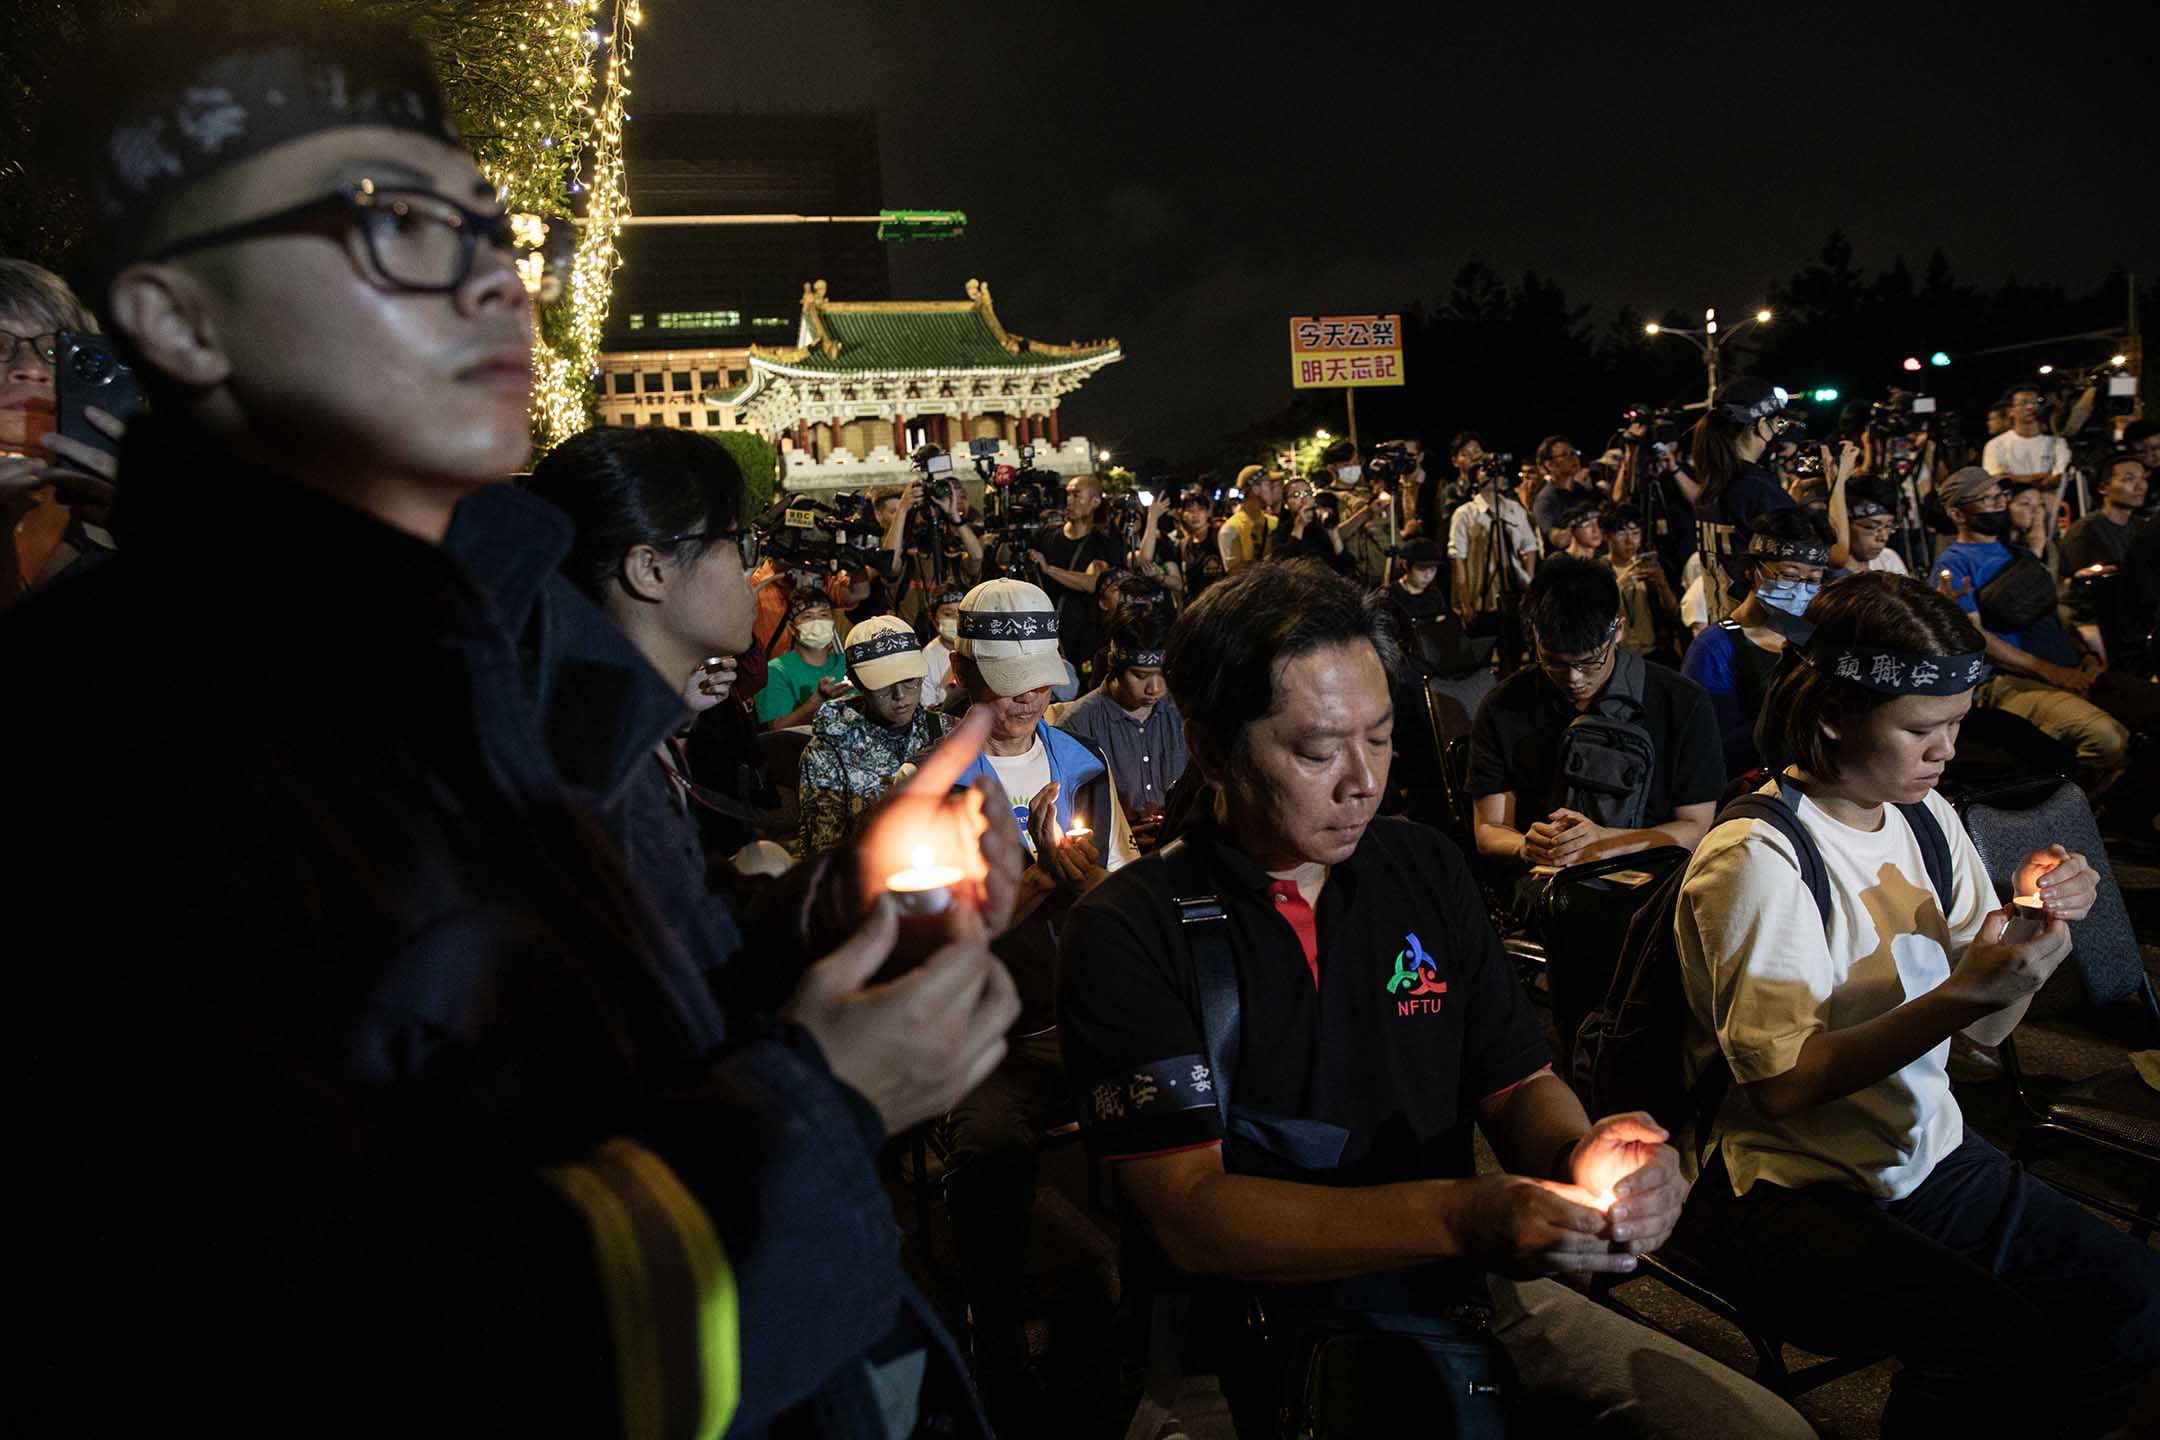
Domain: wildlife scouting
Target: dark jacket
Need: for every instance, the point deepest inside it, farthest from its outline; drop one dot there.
(382, 1101)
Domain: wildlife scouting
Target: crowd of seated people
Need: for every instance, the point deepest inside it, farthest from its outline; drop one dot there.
(443, 1067)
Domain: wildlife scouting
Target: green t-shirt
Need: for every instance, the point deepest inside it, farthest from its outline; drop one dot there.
(790, 680)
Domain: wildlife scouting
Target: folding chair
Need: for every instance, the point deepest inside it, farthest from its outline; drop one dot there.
(1581, 918)
(2113, 1111)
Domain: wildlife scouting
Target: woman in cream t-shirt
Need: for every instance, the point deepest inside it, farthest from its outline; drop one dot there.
(1843, 1202)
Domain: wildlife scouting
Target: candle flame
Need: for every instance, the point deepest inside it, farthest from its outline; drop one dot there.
(923, 857)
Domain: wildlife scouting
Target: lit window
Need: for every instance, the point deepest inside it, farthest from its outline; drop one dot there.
(637, 322)
(770, 322)
(709, 379)
(699, 319)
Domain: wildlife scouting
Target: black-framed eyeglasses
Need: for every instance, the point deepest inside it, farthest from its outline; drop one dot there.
(46, 346)
(1589, 664)
(417, 240)
(746, 543)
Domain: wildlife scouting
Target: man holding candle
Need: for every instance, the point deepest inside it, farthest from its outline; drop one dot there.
(1131, 718)
(857, 747)
(1058, 786)
(1378, 1021)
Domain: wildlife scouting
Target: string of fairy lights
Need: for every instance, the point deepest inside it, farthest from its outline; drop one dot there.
(543, 113)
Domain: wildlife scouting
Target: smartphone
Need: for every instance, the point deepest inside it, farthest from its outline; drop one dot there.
(87, 373)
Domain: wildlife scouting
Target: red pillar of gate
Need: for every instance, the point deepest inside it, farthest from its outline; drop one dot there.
(1053, 427)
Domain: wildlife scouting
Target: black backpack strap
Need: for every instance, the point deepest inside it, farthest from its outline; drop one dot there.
(1935, 849)
(1777, 811)
(1206, 923)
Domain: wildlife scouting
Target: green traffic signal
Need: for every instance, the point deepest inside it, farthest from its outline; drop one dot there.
(921, 224)
(1825, 395)
(1939, 358)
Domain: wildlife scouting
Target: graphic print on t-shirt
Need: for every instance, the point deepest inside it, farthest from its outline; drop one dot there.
(1414, 967)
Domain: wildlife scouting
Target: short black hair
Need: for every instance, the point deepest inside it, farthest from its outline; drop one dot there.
(1872, 489)
(2138, 430)
(2120, 457)
(1793, 522)
(1136, 627)
(1463, 438)
(1871, 608)
(1550, 443)
(1572, 603)
(1619, 517)
(1225, 651)
(1582, 514)
(1342, 452)
(623, 488)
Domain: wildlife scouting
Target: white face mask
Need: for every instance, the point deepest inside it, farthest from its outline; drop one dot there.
(949, 628)
(815, 634)
(1348, 474)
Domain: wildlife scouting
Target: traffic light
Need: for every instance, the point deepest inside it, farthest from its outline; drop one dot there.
(1912, 362)
(1826, 395)
(921, 224)
(1940, 357)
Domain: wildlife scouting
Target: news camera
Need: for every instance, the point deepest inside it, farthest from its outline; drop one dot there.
(835, 533)
(1659, 422)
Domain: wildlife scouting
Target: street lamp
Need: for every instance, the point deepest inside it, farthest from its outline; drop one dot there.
(1708, 339)
(1322, 436)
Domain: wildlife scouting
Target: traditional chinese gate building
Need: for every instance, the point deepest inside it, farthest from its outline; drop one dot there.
(866, 383)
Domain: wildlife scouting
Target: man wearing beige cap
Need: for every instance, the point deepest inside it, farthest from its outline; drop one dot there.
(1007, 656)
(1244, 536)
(859, 744)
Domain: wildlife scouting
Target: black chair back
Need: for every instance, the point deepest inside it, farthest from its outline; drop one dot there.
(2009, 823)
(1582, 918)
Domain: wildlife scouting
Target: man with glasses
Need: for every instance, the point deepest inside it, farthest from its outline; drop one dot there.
(1574, 619)
(1567, 485)
(386, 1104)
(2040, 674)
(1870, 519)
(2025, 454)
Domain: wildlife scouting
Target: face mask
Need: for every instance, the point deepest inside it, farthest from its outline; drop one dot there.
(1791, 596)
(949, 629)
(815, 634)
(1348, 474)
(1989, 522)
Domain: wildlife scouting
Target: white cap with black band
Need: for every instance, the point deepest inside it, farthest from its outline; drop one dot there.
(883, 651)
(1009, 629)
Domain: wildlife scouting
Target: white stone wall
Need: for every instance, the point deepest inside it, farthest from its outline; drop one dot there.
(843, 471)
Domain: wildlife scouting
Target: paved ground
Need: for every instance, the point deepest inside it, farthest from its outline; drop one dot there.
(1080, 1325)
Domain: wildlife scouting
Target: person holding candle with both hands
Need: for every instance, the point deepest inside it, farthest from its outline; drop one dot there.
(1843, 1198)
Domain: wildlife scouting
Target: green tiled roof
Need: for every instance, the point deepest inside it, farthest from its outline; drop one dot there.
(947, 338)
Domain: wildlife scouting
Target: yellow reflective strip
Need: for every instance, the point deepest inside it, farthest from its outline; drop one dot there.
(629, 1296)
(719, 1310)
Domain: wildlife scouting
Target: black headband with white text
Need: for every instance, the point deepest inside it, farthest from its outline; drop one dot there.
(1008, 625)
(1135, 659)
(1770, 547)
(882, 644)
(1894, 672)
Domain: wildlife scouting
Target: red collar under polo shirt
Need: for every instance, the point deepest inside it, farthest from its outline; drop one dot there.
(1403, 1017)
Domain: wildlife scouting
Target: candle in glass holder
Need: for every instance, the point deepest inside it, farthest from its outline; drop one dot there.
(925, 887)
(2028, 920)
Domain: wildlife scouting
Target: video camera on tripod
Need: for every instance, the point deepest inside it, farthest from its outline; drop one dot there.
(1016, 501)
(819, 536)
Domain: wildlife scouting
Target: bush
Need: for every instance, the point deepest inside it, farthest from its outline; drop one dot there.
(760, 464)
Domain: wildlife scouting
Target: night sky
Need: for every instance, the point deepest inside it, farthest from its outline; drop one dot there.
(1187, 177)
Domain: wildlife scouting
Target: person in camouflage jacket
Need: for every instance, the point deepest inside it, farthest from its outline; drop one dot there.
(858, 744)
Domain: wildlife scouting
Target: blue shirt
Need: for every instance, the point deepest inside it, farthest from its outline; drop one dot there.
(1735, 671)
(1146, 756)
(1976, 562)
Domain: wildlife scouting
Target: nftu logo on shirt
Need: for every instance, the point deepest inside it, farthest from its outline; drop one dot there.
(1416, 977)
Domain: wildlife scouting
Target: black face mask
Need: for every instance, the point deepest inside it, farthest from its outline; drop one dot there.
(1989, 522)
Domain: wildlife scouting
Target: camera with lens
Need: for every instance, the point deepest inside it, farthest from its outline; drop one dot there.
(1391, 464)
(819, 535)
(1498, 465)
(1659, 423)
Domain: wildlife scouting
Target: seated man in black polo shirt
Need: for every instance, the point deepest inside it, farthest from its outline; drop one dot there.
(1378, 1023)
(1524, 814)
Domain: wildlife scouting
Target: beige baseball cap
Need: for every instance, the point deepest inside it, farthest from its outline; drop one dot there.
(883, 651)
(1009, 629)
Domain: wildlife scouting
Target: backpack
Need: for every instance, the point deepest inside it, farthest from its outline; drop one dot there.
(1606, 755)
(1630, 1051)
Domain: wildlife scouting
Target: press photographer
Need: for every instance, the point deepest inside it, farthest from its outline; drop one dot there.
(926, 542)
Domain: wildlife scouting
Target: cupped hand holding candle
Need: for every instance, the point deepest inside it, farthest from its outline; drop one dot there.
(2062, 880)
(959, 828)
(1626, 1169)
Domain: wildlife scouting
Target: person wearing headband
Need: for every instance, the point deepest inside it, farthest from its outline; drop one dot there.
(943, 617)
(1131, 718)
(404, 1090)
(1842, 1197)
(1734, 659)
(1731, 441)
(2042, 672)
(1870, 517)
(858, 746)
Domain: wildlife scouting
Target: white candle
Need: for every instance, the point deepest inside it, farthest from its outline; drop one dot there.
(1079, 828)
